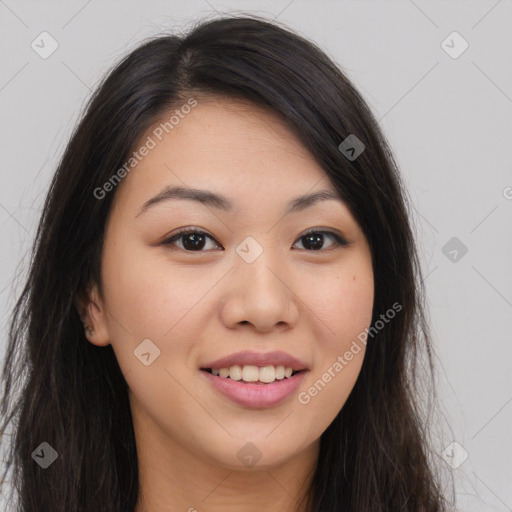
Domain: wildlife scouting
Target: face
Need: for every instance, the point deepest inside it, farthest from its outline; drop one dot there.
(247, 277)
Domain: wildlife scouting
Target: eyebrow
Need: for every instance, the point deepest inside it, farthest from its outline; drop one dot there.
(220, 202)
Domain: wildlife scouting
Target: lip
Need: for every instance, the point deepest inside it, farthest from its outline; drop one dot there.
(248, 357)
(256, 395)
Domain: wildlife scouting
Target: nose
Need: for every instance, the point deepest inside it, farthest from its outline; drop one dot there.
(260, 293)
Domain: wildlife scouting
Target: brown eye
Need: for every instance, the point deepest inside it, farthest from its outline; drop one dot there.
(314, 240)
(193, 240)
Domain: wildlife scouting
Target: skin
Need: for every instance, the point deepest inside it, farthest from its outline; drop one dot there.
(199, 306)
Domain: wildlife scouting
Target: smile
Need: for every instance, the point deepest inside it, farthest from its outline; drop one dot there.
(249, 390)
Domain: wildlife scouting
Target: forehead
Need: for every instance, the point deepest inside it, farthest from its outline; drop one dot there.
(228, 126)
(223, 144)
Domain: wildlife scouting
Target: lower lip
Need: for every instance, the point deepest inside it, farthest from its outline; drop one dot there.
(256, 395)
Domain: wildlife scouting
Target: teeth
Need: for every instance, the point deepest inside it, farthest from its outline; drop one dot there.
(235, 372)
(251, 373)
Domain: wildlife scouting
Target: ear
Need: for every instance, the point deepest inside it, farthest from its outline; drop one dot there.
(94, 316)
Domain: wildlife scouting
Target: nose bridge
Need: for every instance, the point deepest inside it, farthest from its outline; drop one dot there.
(258, 264)
(261, 293)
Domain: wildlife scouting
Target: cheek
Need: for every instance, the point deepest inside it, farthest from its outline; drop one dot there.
(148, 294)
(341, 302)
(342, 305)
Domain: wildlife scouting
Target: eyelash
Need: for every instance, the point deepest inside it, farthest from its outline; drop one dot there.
(339, 240)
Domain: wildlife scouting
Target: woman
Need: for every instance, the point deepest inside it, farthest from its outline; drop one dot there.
(224, 308)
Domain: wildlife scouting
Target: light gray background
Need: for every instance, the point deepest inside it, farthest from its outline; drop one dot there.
(448, 121)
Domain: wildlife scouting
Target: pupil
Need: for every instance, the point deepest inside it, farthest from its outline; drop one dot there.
(315, 241)
(190, 238)
(318, 236)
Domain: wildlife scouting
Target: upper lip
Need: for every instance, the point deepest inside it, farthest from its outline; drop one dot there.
(248, 357)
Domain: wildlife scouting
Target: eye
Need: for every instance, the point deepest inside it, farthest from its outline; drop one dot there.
(314, 238)
(194, 240)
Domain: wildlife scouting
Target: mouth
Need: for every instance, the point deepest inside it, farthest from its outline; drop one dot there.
(255, 387)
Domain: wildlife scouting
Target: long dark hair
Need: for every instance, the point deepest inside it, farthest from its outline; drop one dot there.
(375, 456)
